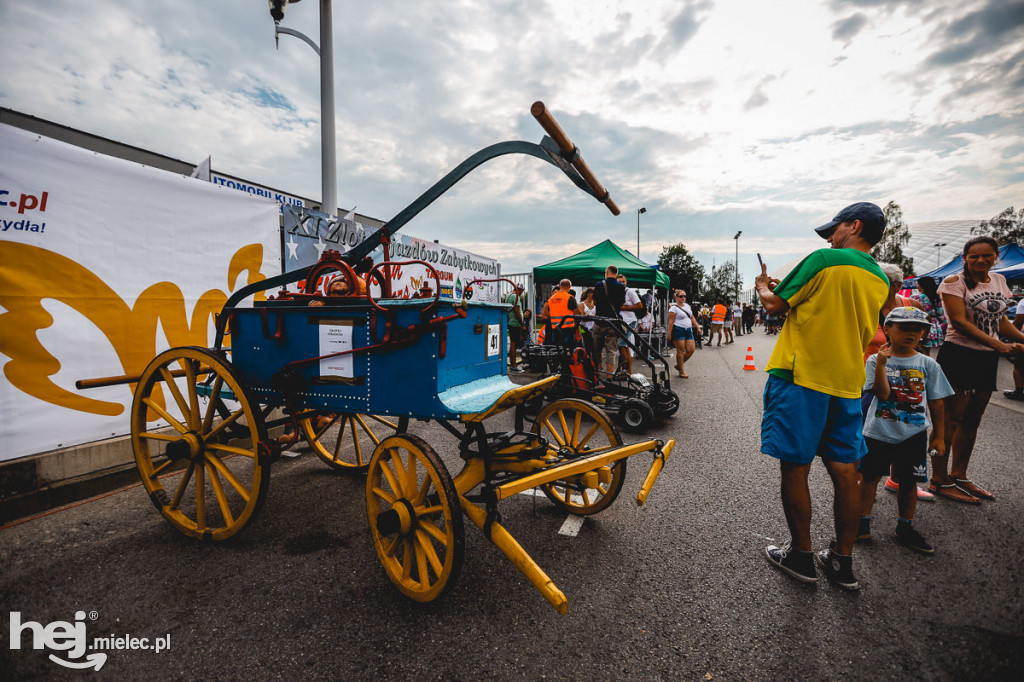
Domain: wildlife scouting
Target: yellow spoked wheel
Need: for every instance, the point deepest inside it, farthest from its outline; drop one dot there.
(574, 427)
(345, 441)
(415, 518)
(195, 437)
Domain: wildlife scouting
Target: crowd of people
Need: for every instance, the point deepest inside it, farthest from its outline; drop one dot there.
(852, 380)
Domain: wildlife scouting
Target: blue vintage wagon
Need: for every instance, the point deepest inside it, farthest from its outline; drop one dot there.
(348, 373)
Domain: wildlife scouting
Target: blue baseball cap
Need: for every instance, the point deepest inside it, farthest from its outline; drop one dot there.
(869, 214)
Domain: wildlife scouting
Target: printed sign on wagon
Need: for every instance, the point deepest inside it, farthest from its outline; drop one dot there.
(336, 338)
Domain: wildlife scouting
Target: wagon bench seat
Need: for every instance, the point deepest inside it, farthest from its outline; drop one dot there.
(477, 400)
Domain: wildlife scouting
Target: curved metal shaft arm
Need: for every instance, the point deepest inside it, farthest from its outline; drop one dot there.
(249, 290)
(546, 151)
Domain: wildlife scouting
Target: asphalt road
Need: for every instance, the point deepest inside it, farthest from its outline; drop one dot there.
(677, 589)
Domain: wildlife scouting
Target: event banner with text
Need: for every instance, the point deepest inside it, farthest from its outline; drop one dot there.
(307, 233)
(103, 264)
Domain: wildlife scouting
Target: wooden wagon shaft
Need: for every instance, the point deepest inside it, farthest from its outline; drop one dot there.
(99, 382)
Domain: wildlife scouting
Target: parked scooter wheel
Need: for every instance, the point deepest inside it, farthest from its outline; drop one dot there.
(636, 415)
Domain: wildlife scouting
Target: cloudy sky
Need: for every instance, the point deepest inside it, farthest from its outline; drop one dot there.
(715, 115)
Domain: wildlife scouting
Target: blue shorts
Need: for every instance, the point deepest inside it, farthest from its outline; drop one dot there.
(682, 333)
(799, 423)
(622, 342)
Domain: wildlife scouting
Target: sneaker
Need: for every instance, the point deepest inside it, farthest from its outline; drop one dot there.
(908, 536)
(864, 530)
(798, 564)
(1014, 395)
(838, 568)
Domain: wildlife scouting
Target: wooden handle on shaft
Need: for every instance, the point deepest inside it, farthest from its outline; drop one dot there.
(568, 149)
(100, 382)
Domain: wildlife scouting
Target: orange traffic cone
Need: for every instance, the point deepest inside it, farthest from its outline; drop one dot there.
(749, 362)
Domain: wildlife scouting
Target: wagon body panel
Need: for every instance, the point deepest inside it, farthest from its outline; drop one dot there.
(409, 380)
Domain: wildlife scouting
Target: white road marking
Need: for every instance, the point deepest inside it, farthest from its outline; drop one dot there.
(572, 526)
(533, 492)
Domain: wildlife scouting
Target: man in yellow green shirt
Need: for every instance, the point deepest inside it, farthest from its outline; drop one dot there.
(812, 397)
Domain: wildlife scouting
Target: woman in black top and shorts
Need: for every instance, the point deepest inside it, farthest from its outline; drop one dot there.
(975, 302)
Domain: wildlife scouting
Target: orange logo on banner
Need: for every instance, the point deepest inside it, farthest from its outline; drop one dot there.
(30, 274)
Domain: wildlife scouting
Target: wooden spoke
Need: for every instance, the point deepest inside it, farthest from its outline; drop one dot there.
(159, 469)
(182, 486)
(392, 546)
(427, 549)
(431, 528)
(576, 427)
(430, 511)
(407, 557)
(193, 395)
(218, 492)
(159, 436)
(172, 386)
(215, 398)
(421, 494)
(385, 469)
(231, 449)
(554, 433)
(421, 561)
(333, 420)
(224, 471)
(165, 415)
(231, 419)
(590, 434)
(399, 469)
(384, 495)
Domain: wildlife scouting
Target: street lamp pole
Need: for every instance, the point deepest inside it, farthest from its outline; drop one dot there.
(938, 253)
(737, 264)
(328, 147)
(642, 209)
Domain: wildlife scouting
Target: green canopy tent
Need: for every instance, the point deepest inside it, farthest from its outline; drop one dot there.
(587, 267)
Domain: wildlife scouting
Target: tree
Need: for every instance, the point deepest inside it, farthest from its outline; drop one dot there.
(895, 237)
(682, 268)
(723, 282)
(1005, 228)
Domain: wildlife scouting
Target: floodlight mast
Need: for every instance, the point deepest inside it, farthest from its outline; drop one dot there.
(328, 146)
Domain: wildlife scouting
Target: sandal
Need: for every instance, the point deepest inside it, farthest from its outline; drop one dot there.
(952, 492)
(971, 488)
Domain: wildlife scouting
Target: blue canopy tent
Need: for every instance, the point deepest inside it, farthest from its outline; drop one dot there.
(1010, 265)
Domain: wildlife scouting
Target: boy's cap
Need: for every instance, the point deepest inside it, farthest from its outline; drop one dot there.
(864, 211)
(908, 314)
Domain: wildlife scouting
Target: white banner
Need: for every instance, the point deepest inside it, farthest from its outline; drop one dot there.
(103, 264)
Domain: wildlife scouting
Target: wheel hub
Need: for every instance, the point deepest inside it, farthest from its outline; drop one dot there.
(399, 519)
(190, 446)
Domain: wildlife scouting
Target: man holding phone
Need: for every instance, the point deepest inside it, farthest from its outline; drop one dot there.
(812, 397)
